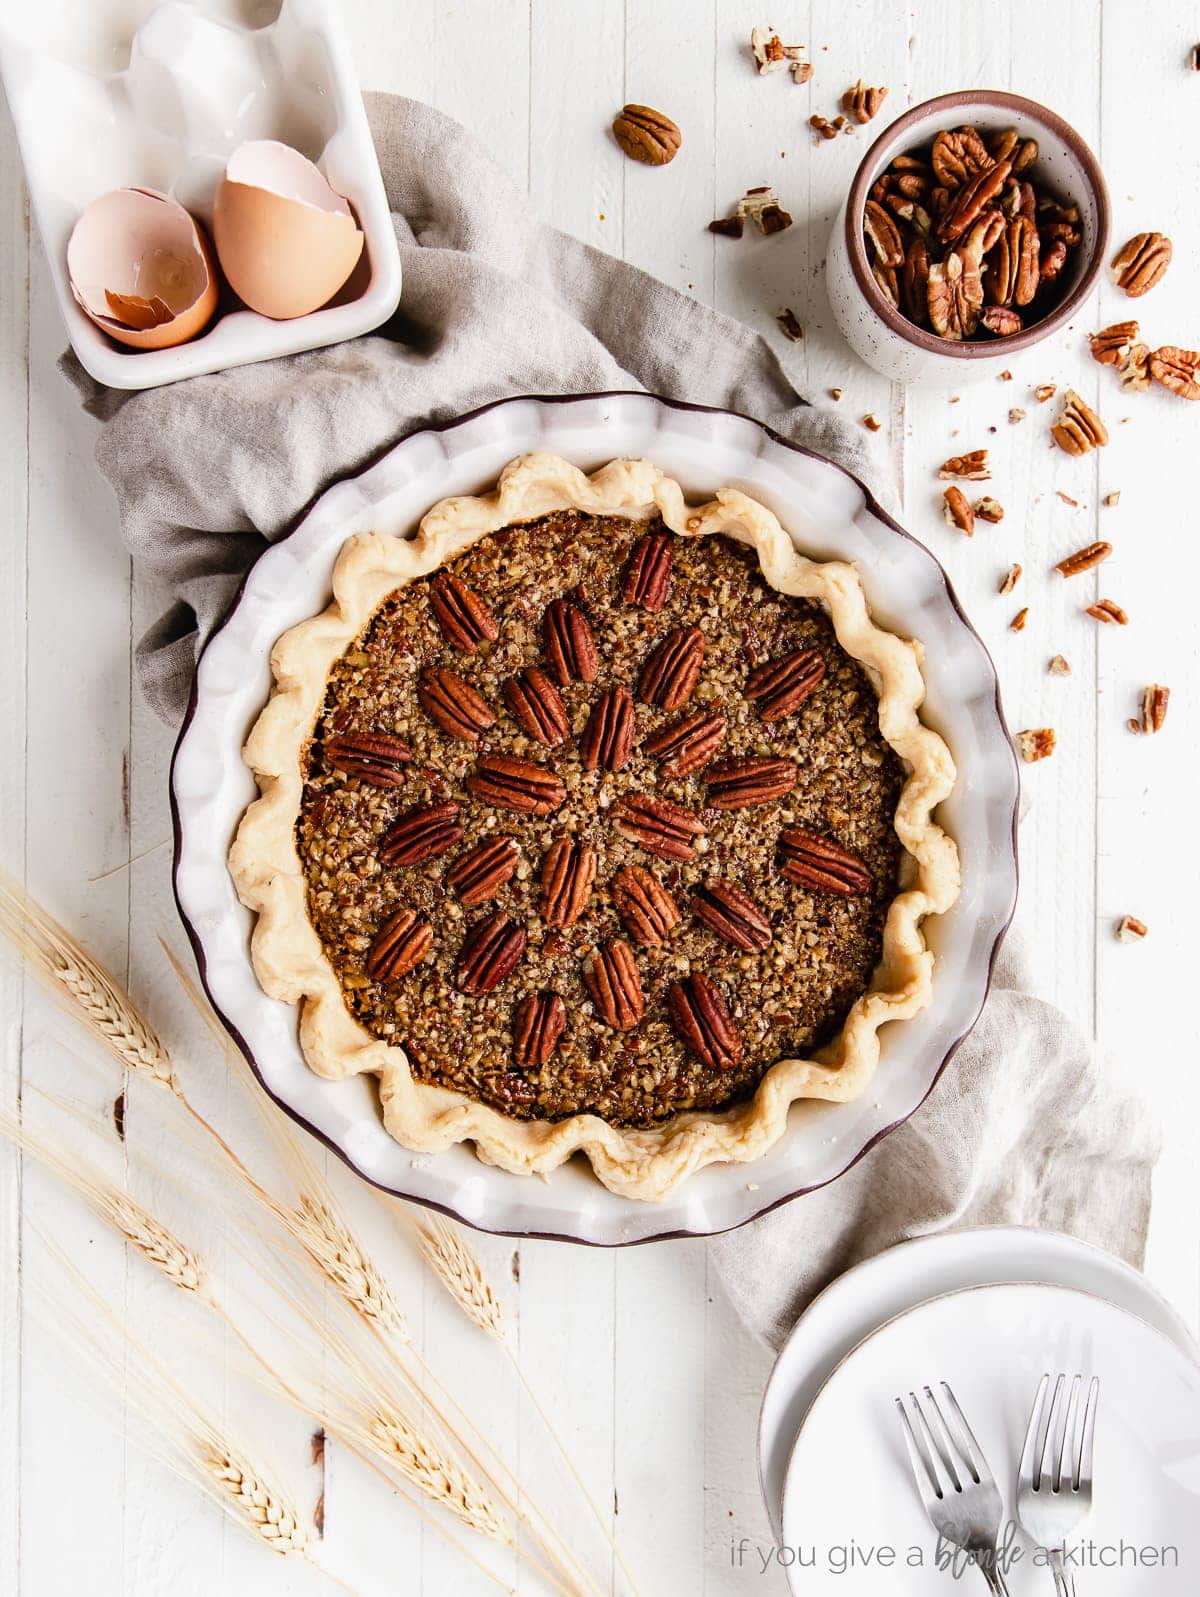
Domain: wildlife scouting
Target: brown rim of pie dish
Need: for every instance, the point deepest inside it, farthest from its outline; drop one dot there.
(474, 1223)
(967, 99)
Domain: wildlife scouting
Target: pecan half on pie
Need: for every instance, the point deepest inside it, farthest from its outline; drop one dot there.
(579, 829)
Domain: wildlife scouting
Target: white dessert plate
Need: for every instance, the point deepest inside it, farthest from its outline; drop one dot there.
(850, 1500)
(913, 1272)
(830, 514)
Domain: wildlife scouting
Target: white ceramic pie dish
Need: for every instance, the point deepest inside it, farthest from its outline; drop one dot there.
(832, 516)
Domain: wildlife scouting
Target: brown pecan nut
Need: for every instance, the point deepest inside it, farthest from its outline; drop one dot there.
(1024, 249)
(733, 915)
(703, 1023)
(739, 784)
(648, 574)
(1134, 370)
(972, 200)
(647, 910)
(480, 873)
(568, 872)
(821, 865)
(989, 509)
(658, 826)
(688, 744)
(401, 943)
(612, 979)
(883, 235)
(889, 282)
(772, 55)
(607, 739)
(646, 135)
(1053, 259)
(372, 757)
(672, 669)
(452, 704)
(1153, 714)
(1138, 265)
(1079, 429)
(421, 834)
(536, 706)
(1084, 559)
(1036, 743)
(954, 294)
(958, 156)
(1177, 369)
(539, 1021)
(1129, 928)
(491, 950)
(972, 467)
(511, 783)
(1111, 345)
(957, 511)
(862, 102)
(570, 648)
(914, 282)
(1109, 612)
(1001, 320)
(781, 686)
(465, 620)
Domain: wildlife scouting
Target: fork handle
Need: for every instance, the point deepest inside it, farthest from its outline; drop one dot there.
(1064, 1582)
(995, 1579)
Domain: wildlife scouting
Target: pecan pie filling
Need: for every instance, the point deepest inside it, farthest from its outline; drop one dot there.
(595, 820)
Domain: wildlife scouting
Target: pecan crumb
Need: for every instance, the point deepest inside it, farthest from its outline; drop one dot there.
(822, 128)
(772, 55)
(1059, 666)
(835, 393)
(989, 509)
(1045, 392)
(1015, 415)
(1113, 499)
(872, 421)
(1006, 376)
(1107, 611)
(1066, 499)
(1017, 624)
(957, 511)
(789, 324)
(1036, 743)
(1130, 929)
(1010, 579)
(1155, 699)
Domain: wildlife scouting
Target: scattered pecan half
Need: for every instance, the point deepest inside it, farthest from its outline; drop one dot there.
(616, 988)
(401, 943)
(1084, 559)
(672, 669)
(452, 704)
(607, 739)
(957, 510)
(732, 914)
(647, 579)
(1036, 743)
(464, 619)
(421, 834)
(491, 951)
(646, 135)
(742, 783)
(1079, 429)
(862, 102)
(703, 1023)
(478, 875)
(972, 467)
(1130, 929)
(1111, 345)
(1140, 263)
(647, 910)
(821, 865)
(1010, 579)
(567, 639)
(1177, 369)
(539, 1021)
(1107, 611)
(772, 55)
(568, 873)
(1153, 712)
(373, 757)
(536, 706)
(658, 826)
(688, 744)
(511, 783)
(781, 686)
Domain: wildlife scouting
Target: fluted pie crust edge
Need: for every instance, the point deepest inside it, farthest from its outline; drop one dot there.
(291, 965)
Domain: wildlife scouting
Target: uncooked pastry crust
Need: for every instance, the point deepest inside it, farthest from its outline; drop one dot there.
(291, 965)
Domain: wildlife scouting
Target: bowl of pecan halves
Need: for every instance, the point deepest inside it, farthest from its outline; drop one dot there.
(975, 227)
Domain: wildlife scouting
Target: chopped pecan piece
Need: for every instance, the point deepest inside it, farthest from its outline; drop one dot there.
(613, 981)
(646, 135)
(421, 834)
(1177, 369)
(453, 705)
(772, 55)
(539, 1021)
(1134, 370)
(958, 156)
(1153, 711)
(971, 201)
(883, 235)
(607, 739)
(647, 910)
(401, 943)
(727, 226)
(957, 511)
(954, 292)
(511, 783)
(1111, 345)
(741, 783)
(491, 951)
(373, 757)
(1044, 392)
(872, 422)
(672, 669)
(789, 324)
(989, 509)
(536, 706)
(862, 102)
(733, 915)
(1107, 611)
(1084, 559)
(1052, 262)
(658, 826)
(972, 467)
(759, 205)
(1010, 579)
(1036, 743)
(570, 648)
(568, 872)
(1059, 666)
(781, 686)
(1079, 429)
(821, 865)
(464, 619)
(1140, 263)
(822, 127)
(1017, 624)
(1131, 930)
(648, 574)
(478, 875)
(688, 744)
(702, 1021)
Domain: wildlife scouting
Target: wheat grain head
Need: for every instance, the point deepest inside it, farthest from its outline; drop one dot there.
(424, 1466)
(460, 1272)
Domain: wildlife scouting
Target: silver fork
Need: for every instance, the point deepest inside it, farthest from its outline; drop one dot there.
(956, 1485)
(1054, 1483)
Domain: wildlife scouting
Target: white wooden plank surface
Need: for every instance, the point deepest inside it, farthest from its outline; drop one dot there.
(651, 1378)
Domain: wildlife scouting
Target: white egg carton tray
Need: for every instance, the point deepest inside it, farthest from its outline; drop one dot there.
(195, 86)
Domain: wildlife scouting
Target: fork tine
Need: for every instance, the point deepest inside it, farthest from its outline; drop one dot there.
(922, 1464)
(1083, 1471)
(1032, 1450)
(937, 1438)
(1064, 1469)
(1050, 1449)
(968, 1447)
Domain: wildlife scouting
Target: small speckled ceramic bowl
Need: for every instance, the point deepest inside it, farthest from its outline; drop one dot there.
(874, 328)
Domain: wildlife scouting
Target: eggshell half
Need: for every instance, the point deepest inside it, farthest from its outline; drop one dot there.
(140, 267)
(284, 239)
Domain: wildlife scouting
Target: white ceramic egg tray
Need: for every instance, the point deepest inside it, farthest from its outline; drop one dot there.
(196, 84)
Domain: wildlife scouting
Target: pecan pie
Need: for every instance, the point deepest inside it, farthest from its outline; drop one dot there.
(580, 829)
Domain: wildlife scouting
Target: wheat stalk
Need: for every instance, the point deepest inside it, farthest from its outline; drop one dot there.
(460, 1272)
(268, 1515)
(426, 1468)
(332, 1247)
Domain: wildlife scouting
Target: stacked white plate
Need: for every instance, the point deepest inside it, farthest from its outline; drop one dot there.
(988, 1311)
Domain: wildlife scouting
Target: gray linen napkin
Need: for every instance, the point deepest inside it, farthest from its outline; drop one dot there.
(210, 470)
